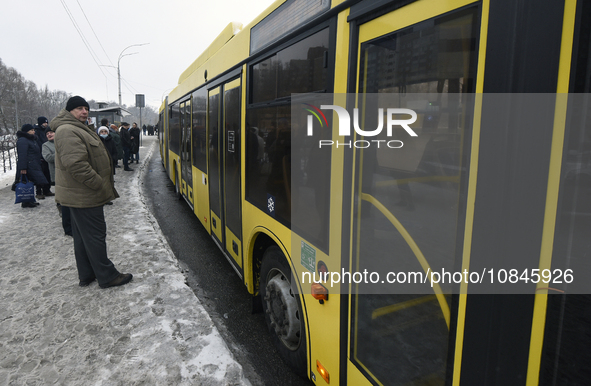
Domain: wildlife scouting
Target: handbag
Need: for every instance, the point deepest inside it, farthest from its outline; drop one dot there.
(25, 190)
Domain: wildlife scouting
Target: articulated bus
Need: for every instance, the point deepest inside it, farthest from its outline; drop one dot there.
(403, 185)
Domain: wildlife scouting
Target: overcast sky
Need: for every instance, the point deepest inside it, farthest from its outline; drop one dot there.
(41, 41)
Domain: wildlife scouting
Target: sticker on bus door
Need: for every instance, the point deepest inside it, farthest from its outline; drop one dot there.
(308, 257)
(231, 142)
(271, 204)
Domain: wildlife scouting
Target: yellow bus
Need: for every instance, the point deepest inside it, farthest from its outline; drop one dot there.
(488, 180)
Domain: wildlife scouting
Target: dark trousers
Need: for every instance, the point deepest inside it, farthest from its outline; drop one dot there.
(66, 220)
(89, 230)
(126, 154)
(44, 188)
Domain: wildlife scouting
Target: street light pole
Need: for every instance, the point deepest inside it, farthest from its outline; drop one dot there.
(118, 67)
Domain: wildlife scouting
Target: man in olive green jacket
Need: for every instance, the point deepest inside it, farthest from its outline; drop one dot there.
(84, 183)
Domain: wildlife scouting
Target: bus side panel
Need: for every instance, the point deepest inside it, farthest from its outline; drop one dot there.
(216, 225)
(201, 197)
(173, 173)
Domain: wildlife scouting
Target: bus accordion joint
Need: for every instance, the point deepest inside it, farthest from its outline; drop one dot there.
(319, 292)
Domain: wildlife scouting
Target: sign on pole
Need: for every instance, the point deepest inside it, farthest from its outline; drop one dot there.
(140, 102)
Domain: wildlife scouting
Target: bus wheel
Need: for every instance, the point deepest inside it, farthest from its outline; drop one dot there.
(283, 310)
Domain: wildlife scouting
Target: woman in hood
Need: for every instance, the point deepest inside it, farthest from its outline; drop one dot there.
(29, 159)
(109, 143)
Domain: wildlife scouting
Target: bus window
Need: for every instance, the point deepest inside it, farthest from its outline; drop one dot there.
(214, 154)
(299, 68)
(268, 176)
(199, 130)
(429, 67)
(264, 80)
(232, 160)
(186, 166)
(175, 128)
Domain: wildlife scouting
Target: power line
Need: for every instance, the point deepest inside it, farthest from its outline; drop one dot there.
(92, 54)
(128, 85)
(92, 29)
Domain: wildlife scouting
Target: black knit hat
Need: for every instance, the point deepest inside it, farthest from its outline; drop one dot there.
(42, 120)
(27, 127)
(76, 101)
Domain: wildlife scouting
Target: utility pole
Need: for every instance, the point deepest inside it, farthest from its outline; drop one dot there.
(140, 102)
(118, 67)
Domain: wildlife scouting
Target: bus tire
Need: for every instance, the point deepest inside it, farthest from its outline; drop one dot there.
(283, 311)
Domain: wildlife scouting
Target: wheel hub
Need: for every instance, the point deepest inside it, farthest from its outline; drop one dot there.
(282, 308)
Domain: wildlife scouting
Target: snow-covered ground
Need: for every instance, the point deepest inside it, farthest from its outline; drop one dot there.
(6, 179)
(152, 331)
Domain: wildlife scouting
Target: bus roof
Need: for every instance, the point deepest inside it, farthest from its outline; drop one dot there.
(227, 33)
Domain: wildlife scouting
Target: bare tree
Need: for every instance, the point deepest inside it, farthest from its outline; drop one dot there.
(22, 101)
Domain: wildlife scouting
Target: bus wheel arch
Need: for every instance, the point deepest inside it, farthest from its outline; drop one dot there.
(177, 181)
(261, 242)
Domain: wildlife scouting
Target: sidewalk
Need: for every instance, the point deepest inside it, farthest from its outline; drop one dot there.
(152, 331)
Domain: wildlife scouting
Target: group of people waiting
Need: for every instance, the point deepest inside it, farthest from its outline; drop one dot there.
(123, 143)
(36, 153)
(82, 171)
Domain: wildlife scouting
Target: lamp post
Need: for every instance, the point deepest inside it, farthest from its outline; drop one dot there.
(118, 68)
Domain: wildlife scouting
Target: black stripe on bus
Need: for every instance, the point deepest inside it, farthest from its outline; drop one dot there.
(522, 56)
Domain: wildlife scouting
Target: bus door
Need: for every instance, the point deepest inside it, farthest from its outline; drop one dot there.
(186, 168)
(408, 209)
(214, 125)
(232, 115)
(225, 169)
(163, 130)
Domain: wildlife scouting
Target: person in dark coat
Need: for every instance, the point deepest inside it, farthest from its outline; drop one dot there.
(109, 143)
(135, 143)
(126, 143)
(40, 129)
(29, 159)
(114, 131)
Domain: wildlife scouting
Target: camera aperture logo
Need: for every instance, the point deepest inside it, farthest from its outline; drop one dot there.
(393, 118)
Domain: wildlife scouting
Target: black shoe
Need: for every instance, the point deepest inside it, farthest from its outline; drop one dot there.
(49, 194)
(29, 204)
(128, 169)
(122, 279)
(117, 166)
(40, 196)
(86, 283)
